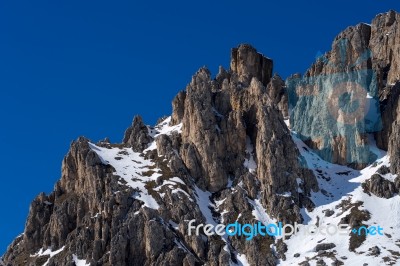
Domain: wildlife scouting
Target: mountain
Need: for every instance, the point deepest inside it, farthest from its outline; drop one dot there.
(242, 148)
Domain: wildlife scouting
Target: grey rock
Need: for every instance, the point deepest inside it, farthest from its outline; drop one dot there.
(137, 135)
(383, 170)
(365, 59)
(329, 213)
(220, 117)
(247, 63)
(178, 108)
(374, 251)
(380, 187)
(394, 139)
(388, 102)
(324, 246)
(281, 249)
(277, 91)
(397, 183)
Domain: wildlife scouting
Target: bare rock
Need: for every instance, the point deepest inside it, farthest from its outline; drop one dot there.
(363, 60)
(178, 108)
(374, 251)
(247, 63)
(137, 135)
(277, 91)
(324, 246)
(380, 187)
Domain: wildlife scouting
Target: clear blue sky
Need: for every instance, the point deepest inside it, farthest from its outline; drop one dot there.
(71, 68)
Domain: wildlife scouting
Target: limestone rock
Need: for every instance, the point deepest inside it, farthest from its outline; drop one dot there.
(178, 108)
(277, 91)
(324, 246)
(380, 187)
(247, 63)
(349, 93)
(137, 135)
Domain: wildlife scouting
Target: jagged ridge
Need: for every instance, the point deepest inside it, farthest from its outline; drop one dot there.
(224, 155)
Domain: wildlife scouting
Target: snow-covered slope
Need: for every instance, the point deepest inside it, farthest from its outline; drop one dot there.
(136, 171)
(340, 192)
(341, 186)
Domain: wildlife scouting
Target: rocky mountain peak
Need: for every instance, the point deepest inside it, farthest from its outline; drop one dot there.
(223, 142)
(248, 63)
(227, 155)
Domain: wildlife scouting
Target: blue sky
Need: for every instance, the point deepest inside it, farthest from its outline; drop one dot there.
(71, 68)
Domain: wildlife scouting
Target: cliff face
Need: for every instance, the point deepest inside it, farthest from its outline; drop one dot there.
(385, 46)
(343, 97)
(226, 154)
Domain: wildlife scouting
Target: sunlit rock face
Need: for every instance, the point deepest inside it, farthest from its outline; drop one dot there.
(343, 96)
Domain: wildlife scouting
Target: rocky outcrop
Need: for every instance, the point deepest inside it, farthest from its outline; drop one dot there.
(327, 91)
(393, 114)
(248, 63)
(277, 91)
(221, 116)
(342, 96)
(178, 105)
(384, 43)
(380, 187)
(388, 99)
(324, 246)
(93, 216)
(136, 136)
(213, 144)
(394, 145)
(374, 251)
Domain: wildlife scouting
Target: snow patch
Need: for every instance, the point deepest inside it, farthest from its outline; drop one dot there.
(260, 213)
(79, 262)
(133, 168)
(204, 203)
(47, 252)
(242, 260)
(338, 183)
(249, 162)
(163, 128)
